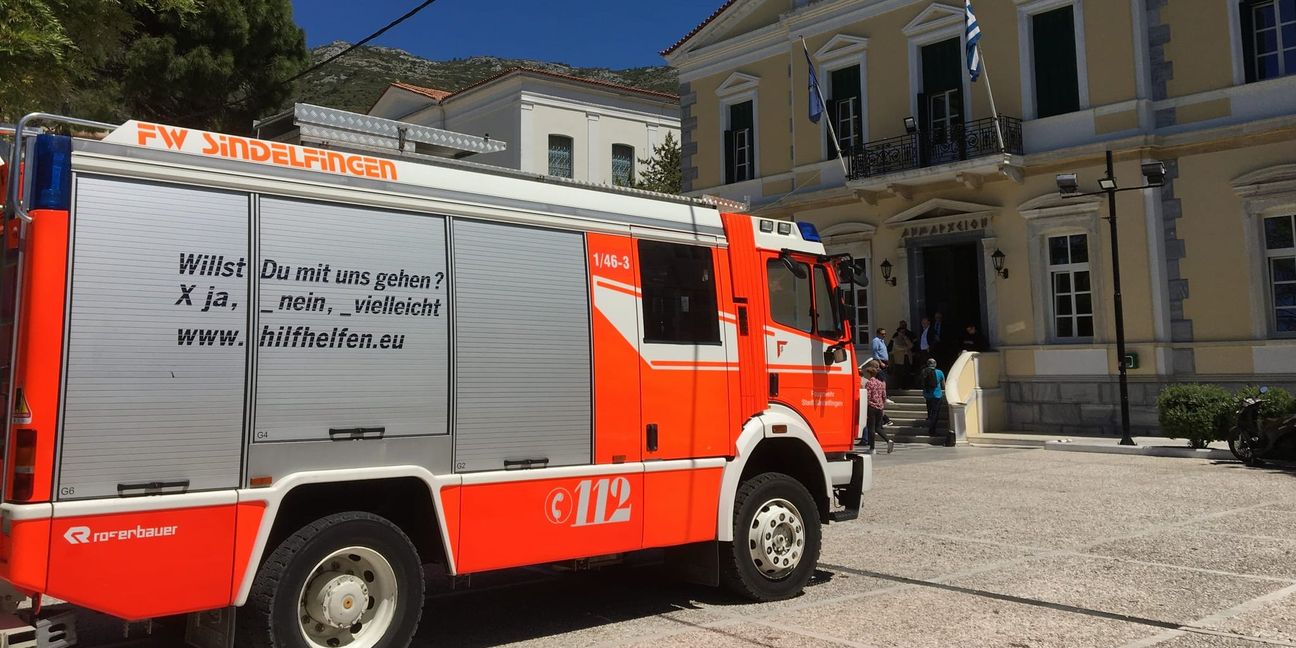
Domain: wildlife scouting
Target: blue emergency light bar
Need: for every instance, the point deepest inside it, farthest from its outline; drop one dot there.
(52, 173)
(808, 232)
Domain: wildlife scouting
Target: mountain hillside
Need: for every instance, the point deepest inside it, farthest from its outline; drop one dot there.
(354, 81)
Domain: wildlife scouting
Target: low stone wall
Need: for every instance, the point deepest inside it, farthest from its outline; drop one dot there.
(1079, 407)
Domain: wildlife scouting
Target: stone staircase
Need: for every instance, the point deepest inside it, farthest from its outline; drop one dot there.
(908, 415)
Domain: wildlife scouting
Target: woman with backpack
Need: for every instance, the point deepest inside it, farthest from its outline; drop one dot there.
(933, 386)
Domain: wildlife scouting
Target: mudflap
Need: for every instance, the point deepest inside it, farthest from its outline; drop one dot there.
(52, 631)
(210, 629)
(697, 563)
(850, 494)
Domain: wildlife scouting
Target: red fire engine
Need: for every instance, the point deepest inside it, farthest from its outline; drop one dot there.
(275, 381)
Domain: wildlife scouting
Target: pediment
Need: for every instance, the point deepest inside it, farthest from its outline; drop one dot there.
(734, 18)
(1276, 179)
(736, 83)
(846, 229)
(940, 208)
(1054, 204)
(840, 46)
(935, 16)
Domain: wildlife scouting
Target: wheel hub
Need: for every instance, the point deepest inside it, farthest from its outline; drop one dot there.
(776, 538)
(336, 599)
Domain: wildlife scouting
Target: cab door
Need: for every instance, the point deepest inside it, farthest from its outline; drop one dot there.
(805, 325)
(687, 349)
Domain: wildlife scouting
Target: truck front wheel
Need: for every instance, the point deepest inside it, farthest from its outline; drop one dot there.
(349, 579)
(777, 539)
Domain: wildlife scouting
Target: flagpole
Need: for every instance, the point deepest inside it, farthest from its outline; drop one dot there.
(831, 131)
(985, 70)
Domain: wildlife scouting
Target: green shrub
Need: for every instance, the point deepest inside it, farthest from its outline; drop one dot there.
(1198, 413)
(1278, 402)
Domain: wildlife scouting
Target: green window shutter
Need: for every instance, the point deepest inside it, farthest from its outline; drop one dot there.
(1246, 12)
(1057, 83)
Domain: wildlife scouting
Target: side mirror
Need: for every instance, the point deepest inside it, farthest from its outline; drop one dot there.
(852, 271)
(798, 270)
(834, 355)
(859, 273)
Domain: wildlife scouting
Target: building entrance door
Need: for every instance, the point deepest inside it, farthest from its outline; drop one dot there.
(952, 287)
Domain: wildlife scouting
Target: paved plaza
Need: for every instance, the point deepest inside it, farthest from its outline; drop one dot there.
(967, 547)
(959, 547)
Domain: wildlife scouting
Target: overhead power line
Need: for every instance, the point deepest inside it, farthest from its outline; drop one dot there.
(409, 14)
(384, 29)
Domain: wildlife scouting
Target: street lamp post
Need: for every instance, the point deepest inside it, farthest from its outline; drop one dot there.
(1154, 173)
(1120, 309)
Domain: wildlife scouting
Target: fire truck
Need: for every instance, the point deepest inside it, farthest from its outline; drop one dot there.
(265, 385)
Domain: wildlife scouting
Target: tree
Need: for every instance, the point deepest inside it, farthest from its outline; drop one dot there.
(661, 172)
(220, 68)
(215, 64)
(52, 53)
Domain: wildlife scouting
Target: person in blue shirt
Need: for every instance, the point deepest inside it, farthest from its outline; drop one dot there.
(880, 354)
(933, 384)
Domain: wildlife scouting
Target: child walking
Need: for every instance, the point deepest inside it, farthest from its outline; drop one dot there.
(876, 390)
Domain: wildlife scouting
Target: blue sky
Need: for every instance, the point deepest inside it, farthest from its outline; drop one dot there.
(587, 33)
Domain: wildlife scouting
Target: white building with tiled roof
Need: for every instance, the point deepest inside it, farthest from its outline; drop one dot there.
(587, 130)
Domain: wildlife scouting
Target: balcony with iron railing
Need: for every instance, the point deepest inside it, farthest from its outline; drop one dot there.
(975, 143)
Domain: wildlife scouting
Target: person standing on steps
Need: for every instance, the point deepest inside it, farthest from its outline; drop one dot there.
(880, 353)
(933, 384)
(902, 346)
(876, 391)
(926, 342)
(972, 339)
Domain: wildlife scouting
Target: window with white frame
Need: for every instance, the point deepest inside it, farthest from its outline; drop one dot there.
(1051, 54)
(623, 165)
(740, 143)
(1280, 259)
(846, 108)
(560, 156)
(1268, 38)
(1071, 285)
(1057, 78)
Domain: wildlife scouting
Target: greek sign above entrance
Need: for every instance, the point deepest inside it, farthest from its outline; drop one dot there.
(933, 227)
(941, 216)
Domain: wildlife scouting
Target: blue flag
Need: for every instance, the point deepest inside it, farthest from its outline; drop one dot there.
(973, 37)
(816, 103)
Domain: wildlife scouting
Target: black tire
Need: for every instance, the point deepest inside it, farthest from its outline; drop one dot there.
(1240, 445)
(739, 572)
(269, 619)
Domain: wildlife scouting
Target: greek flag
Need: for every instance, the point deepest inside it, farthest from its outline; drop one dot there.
(973, 37)
(816, 104)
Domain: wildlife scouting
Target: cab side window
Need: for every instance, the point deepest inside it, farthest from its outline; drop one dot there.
(789, 297)
(679, 294)
(827, 319)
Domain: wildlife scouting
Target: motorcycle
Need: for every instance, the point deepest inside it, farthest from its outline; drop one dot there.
(1255, 438)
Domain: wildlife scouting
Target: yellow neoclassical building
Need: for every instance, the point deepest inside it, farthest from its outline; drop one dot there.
(927, 197)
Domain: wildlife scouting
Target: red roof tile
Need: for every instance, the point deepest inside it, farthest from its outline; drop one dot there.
(715, 14)
(430, 93)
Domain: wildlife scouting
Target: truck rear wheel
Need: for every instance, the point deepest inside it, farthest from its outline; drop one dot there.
(350, 579)
(776, 539)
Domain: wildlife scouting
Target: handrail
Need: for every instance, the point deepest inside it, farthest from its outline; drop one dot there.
(13, 201)
(954, 386)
